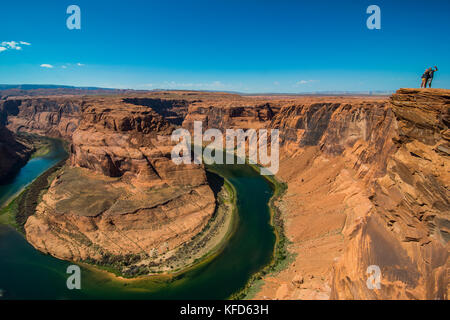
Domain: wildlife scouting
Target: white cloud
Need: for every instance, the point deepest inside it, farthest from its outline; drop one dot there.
(215, 85)
(45, 65)
(12, 45)
(71, 65)
(301, 82)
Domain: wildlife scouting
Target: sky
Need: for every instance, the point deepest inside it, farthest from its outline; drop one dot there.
(247, 45)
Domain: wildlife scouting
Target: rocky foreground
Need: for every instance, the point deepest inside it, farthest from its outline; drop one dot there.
(368, 184)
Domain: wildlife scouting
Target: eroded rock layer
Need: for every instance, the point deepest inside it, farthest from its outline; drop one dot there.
(56, 116)
(367, 186)
(406, 232)
(121, 193)
(14, 152)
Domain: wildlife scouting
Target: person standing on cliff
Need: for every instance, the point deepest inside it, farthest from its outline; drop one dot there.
(425, 77)
(431, 75)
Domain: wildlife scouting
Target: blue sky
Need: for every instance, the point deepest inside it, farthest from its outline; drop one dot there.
(247, 46)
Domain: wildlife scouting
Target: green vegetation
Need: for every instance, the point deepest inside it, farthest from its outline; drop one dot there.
(41, 150)
(121, 265)
(18, 211)
(42, 146)
(8, 213)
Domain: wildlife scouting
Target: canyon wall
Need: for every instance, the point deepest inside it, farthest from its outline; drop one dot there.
(229, 116)
(367, 185)
(50, 116)
(120, 193)
(14, 151)
(407, 229)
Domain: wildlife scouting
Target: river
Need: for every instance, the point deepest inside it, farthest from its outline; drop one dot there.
(26, 273)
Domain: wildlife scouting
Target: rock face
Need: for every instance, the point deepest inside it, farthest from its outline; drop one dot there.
(14, 152)
(407, 230)
(55, 117)
(118, 139)
(367, 185)
(230, 115)
(122, 194)
(173, 110)
(322, 162)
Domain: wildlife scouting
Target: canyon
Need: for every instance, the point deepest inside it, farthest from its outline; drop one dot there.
(367, 183)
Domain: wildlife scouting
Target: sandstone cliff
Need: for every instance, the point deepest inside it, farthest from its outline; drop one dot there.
(121, 194)
(14, 152)
(367, 185)
(54, 117)
(50, 116)
(230, 115)
(406, 231)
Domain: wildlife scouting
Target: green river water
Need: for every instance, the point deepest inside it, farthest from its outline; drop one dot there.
(25, 273)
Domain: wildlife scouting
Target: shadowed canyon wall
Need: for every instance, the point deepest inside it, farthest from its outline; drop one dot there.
(14, 151)
(50, 116)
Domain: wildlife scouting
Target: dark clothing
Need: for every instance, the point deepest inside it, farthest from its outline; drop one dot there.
(427, 77)
(431, 73)
(430, 76)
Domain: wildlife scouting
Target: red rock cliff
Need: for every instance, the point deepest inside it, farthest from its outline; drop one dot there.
(406, 231)
(49, 116)
(121, 194)
(14, 152)
(367, 185)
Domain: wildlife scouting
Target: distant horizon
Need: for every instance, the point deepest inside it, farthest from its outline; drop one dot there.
(44, 86)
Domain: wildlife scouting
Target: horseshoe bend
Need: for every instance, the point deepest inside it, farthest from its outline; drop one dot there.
(362, 181)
